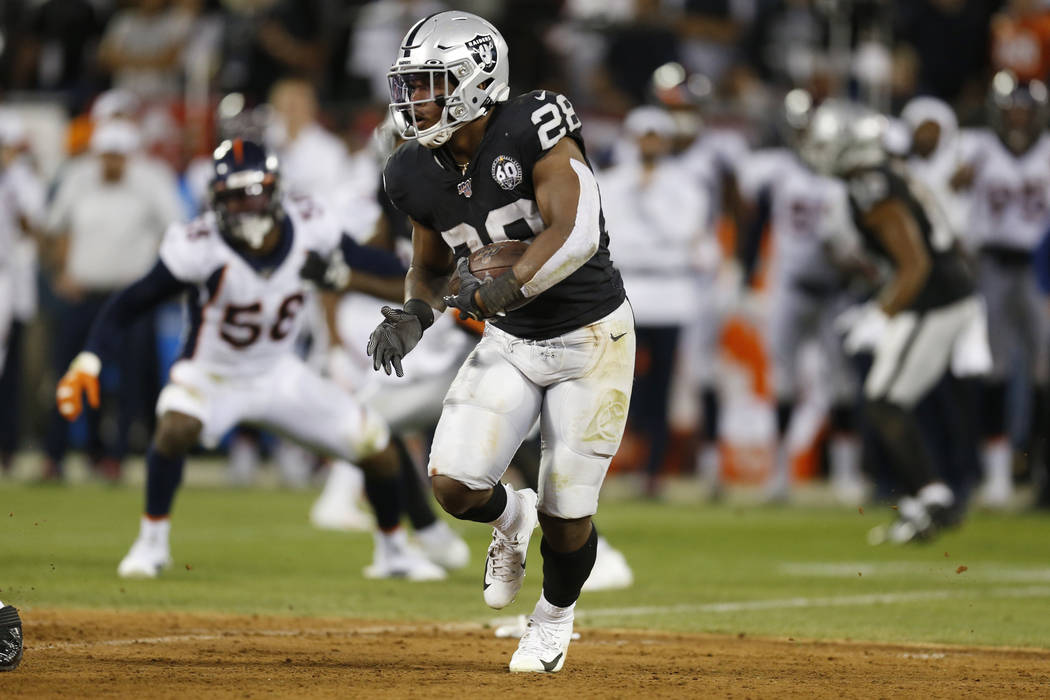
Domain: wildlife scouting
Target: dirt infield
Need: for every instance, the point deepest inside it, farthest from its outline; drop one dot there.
(176, 655)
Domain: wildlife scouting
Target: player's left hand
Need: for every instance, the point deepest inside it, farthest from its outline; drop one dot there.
(81, 378)
(393, 339)
(331, 274)
(465, 299)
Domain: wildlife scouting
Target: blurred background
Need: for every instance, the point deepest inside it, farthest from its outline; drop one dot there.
(150, 86)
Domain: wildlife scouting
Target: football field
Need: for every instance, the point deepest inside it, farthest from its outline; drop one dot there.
(728, 600)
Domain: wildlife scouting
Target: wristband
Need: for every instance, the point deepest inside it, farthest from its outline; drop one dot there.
(499, 294)
(421, 310)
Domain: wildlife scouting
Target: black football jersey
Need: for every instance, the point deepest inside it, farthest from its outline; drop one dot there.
(493, 200)
(950, 278)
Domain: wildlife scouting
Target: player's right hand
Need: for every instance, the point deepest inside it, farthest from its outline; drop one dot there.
(393, 339)
(80, 378)
(332, 274)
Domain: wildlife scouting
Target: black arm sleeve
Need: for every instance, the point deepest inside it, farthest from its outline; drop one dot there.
(121, 309)
(751, 235)
(369, 259)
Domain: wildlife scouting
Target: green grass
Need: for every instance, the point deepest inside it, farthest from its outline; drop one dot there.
(255, 552)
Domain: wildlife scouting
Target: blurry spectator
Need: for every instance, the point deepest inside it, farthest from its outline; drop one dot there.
(787, 41)
(142, 48)
(524, 25)
(709, 31)
(55, 48)
(655, 214)
(376, 35)
(1021, 40)
(21, 214)
(313, 160)
(266, 40)
(638, 48)
(950, 39)
(107, 218)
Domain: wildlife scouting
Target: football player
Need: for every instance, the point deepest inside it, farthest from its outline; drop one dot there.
(1009, 216)
(480, 167)
(920, 313)
(239, 265)
(806, 295)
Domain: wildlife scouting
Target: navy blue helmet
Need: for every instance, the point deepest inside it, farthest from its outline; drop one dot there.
(244, 192)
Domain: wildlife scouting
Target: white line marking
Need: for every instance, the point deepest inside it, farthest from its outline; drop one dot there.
(725, 607)
(819, 602)
(308, 632)
(984, 570)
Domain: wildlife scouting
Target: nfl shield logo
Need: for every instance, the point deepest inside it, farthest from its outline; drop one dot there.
(463, 188)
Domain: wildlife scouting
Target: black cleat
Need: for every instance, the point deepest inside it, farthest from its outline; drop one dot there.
(10, 638)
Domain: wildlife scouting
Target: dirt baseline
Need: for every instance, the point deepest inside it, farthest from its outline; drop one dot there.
(77, 653)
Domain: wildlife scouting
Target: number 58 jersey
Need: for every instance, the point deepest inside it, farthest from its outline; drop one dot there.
(493, 199)
(245, 314)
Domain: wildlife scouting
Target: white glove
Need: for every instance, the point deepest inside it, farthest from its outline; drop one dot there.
(863, 327)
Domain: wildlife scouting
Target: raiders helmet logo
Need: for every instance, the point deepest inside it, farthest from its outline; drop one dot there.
(483, 50)
(506, 172)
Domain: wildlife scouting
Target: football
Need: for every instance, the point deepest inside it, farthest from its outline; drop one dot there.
(492, 261)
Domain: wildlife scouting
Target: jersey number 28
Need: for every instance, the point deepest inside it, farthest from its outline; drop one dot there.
(554, 123)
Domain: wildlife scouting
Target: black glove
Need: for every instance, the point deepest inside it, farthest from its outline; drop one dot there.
(464, 299)
(331, 274)
(399, 332)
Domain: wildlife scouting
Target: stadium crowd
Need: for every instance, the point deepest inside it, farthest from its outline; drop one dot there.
(751, 357)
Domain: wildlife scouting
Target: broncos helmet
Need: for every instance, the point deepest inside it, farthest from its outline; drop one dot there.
(244, 192)
(843, 136)
(455, 59)
(1017, 111)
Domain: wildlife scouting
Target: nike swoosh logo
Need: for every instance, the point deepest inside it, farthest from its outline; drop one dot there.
(542, 96)
(550, 665)
(617, 337)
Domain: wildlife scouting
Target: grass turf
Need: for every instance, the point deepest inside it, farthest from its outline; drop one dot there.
(794, 572)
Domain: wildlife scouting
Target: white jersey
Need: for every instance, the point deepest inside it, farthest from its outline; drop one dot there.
(243, 320)
(1011, 194)
(660, 235)
(801, 204)
(21, 199)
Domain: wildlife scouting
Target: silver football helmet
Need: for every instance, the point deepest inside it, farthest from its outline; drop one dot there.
(455, 59)
(843, 136)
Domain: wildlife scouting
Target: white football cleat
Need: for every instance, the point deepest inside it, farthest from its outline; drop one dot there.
(505, 560)
(611, 571)
(395, 558)
(441, 545)
(344, 516)
(149, 554)
(543, 647)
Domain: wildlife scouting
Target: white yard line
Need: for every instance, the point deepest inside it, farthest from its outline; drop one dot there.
(819, 602)
(583, 614)
(986, 571)
(306, 632)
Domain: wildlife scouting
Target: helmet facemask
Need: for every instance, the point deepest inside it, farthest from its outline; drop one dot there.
(247, 207)
(454, 61)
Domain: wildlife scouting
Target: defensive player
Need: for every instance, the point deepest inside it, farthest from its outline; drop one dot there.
(921, 312)
(806, 295)
(559, 343)
(240, 265)
(1010, 215)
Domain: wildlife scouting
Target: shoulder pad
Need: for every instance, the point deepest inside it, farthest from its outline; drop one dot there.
(538, 120)
(868, 188)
